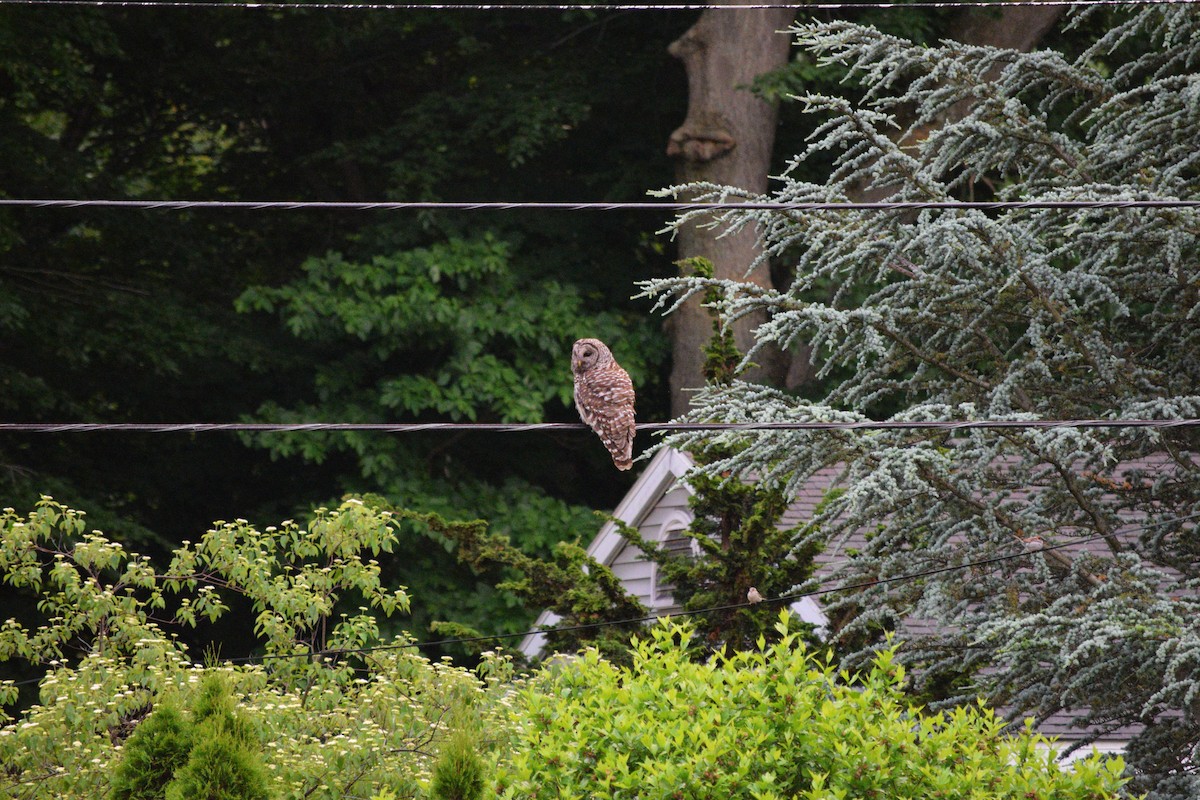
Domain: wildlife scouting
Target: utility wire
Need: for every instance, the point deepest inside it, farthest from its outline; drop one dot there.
(649, 427)
(619, 6)
(431, 205)
(586, 626)
(820, 590)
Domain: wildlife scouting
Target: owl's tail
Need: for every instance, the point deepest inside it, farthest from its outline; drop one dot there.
(622, 451)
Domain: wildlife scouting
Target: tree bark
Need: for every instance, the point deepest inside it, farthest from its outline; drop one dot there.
(1015, 28)
(726, 139)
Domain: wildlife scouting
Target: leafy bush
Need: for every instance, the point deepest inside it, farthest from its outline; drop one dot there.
(334, 723)
(159, 745)
(772, 723)
(225, 762)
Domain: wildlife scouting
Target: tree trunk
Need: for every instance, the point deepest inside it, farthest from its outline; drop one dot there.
(726, 139)
(1015, 28)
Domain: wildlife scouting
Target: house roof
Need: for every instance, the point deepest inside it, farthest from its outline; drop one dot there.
(659, 477)
(663, 474)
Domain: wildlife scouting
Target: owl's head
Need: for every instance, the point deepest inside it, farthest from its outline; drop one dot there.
(588, 354)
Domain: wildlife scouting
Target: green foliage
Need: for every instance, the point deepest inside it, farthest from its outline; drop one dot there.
(453, 331)
(215, 708)
(459, 772)
(109, 650)
(158, 747)
(99, 598)
(398, 725)
(581, 591)
(225, 761)
(777, 722)
(722, 359)
(739, 543)
(89, 589)
(212, 756)
(220, 767)
(1018, 314)
(296, 577)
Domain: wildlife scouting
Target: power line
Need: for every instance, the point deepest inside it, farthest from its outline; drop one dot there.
(488, 205)
(518, 427)
(821, 590)
(585, 626)
(525, 6)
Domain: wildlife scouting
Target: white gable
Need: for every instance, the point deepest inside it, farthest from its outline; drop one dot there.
(657, 505)
(639, 508)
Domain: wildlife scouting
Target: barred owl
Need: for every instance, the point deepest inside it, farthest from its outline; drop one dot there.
(604, 397)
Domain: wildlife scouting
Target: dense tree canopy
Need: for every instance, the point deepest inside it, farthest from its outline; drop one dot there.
(206, 315)
(1022, 314)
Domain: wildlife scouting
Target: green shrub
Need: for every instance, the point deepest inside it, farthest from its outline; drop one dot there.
(777, 722)
(215, 708)
(158, 746)
(458, 773)
(221, 767)
(225, 762)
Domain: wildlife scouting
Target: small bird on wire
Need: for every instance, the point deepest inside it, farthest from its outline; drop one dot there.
(753, 596)
(604, 398)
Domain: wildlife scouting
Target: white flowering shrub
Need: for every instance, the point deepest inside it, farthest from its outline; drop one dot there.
(331, 726)
(1013, 314)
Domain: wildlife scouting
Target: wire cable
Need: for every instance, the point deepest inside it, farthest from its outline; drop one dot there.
(515, 205)
(553, 6)
(817, 592)
(521, 427)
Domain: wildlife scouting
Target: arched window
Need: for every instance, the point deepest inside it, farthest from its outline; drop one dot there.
(671, 536)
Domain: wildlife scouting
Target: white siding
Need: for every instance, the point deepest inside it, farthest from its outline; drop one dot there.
(654, 500)
(633, 572)
(672, 505)
(639, 576)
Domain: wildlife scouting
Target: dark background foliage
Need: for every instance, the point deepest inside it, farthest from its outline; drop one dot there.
(208, 315)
